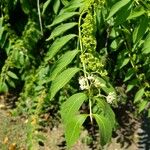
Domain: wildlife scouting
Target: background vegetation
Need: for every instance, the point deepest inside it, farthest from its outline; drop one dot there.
(83, 61)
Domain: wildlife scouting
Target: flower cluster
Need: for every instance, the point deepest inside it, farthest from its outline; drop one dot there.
(89, 81)
(110, 98)
(93, 63)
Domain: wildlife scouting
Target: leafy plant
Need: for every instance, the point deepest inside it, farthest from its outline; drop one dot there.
(96, 51)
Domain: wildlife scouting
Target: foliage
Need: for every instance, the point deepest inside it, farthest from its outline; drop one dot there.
(91, 52)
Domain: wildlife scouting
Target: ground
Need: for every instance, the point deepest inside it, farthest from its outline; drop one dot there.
(14, 135)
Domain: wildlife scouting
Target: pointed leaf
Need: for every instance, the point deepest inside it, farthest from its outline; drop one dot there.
(116, 7)
(136, 14)
(129, 74)
(72, 105)
(104, 127)
(12, 75)
(57, 45)
(140, 30)
(108, 112)
(62, 63)
(59, 30)
(72, 6)
(142, 105)
(61, 80)
(3, 87)
(138, 95)
(73, 129)
(146, 48)
(62, 17)
(45, 5)
(56, 6)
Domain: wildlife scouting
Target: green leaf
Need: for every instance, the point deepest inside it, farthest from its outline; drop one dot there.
(61, 80)
(62, 17)
(123, 62)
(140, 30)
(26, 7)
(56, 6)
(72, 6)
(131, 85)
(11, 83)
(146, 48)
(142, 105)
(45, 5)
(12, 75)
(122, 17)
(59, 30)
(57, 45)
(3, 87)
(129, 74)
(108, 112)
(73, 128)
(136, 14)
(116, 7)
(65, 2)
(104, 127)
(71, 106)
(138, 95)
(62, 63)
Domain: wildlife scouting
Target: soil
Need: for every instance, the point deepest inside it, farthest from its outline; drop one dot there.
(13, 135)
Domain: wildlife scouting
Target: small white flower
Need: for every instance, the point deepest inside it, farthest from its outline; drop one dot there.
(110, 98)
(91, 77)
(83, 83)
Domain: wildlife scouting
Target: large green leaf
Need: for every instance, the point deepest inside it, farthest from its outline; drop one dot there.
(146, 48)
(104, 127)
(57, 45)
(59, 30)
(108, 112)
(61, 80)
(116, 7)
(72, 105)
(62, 63)
(122, 17)
(73, 128)
(140, 30)
(62, 17)
(138, 95)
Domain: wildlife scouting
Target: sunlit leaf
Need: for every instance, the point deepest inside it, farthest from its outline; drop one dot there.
(73, 129)
(146, 48)
(139, 95)
(72, 105)
(104, 127)
(62, 17)
(142, 105)
(116, 7)
(12, 75)
(59, 30)
(57, 45)
(61, 80)
(62, 63)
(140, 29)
(56, 6)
